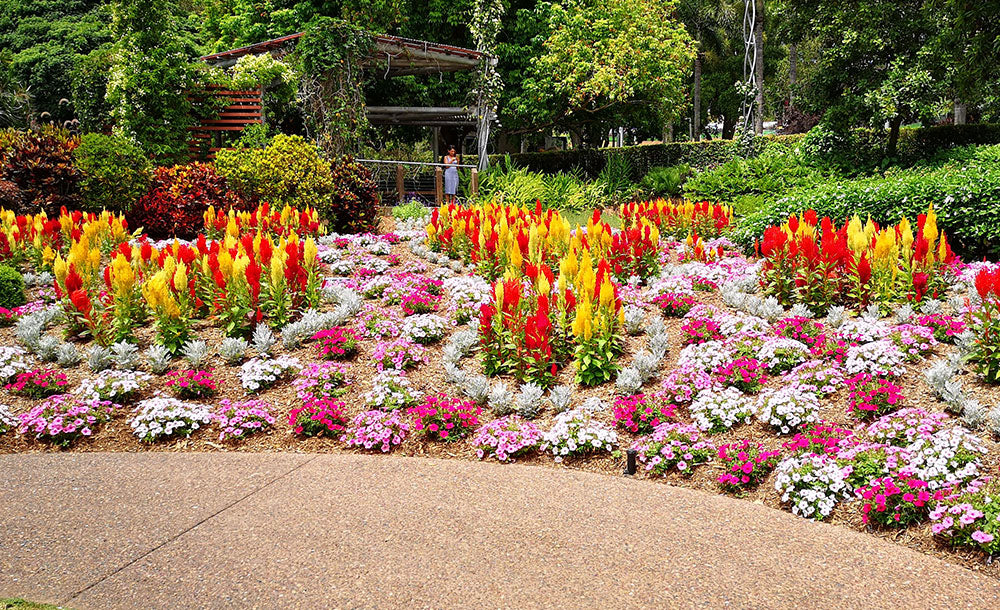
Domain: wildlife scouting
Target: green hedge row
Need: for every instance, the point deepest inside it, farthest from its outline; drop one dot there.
(965, 194)
(914, 145)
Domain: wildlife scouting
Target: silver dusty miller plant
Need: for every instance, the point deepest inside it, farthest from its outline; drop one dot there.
(528, 401)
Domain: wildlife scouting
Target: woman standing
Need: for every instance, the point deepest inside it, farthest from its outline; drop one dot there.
(450, 175)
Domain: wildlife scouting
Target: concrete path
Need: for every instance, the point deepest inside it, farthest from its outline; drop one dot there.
(278, 531)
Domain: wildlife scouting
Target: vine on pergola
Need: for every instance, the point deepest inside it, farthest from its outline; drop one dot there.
(331, 90)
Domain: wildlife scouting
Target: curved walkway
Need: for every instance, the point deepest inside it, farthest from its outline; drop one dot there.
(278, 531)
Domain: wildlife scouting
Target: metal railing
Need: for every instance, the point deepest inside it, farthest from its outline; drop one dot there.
(393, 178)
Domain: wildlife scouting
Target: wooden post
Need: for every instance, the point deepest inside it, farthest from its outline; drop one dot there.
(439, 186)
(400, 185)
(474, 184)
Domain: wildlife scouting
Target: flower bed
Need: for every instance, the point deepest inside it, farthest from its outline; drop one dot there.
(536, 341)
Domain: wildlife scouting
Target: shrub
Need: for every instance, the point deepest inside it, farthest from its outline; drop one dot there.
(665, 181)
(353, 207)
(40, 164)
(288, 171)
(966, 197)
(115, 172)
(178, 198)
(11, 288)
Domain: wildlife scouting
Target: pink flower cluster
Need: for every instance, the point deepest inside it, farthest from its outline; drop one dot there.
(241, 419)
(444, 418)
(399, 354)
(376, 321)
(506, 438)
(684, 382)
(419, 302)
(700, 330)
(903, 427)
(674, 305)
(639, 415)
(896, 500)
(807, 331)
(945, 328)
(382, 430)
(337, 343)
(914, 341)
(746, 464)
(319, 418)
(747, 375)
(873, 396)
(9, 316)
(971, 518)
(192, 383)
(38, 383)
(673, 446)
(821, 438)
(63, 418)
(322, 380)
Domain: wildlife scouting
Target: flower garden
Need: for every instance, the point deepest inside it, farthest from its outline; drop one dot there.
(841, 371)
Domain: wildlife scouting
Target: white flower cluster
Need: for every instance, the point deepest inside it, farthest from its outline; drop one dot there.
(811, 484)
(467, 293)
(705, 356)
(787, 408)
(391, 390)
(780, 354)
(425, 328)
(261, 373)
(13, 360)
(114, 386)
(945, 458)
(670, 284)
(816, 376)
(7, 419)
(576, 433)
(882, 357)
(717, 410)
(863, 330)
(162, 416)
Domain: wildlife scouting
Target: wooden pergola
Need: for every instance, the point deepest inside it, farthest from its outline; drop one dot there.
(394, 56)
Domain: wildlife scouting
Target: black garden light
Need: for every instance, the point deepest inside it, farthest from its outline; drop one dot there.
(630, 462)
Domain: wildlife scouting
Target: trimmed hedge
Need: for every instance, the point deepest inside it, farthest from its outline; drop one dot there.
(965, 195)
(11, 288)
(590, 161)
(914, 145)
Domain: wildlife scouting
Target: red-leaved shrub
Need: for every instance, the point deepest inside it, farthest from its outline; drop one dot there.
(354, 200)
(177, 200)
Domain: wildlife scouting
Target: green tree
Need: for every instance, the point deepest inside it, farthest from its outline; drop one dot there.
(610, 58)
(45, 39)
(151, 78)
(875, 64)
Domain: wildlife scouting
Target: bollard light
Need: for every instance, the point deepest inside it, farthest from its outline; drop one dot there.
(630, 462)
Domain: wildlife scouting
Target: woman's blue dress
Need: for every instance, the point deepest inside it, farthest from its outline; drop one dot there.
(451, 181)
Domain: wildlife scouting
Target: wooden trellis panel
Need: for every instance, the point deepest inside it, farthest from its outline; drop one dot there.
(243, 108)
